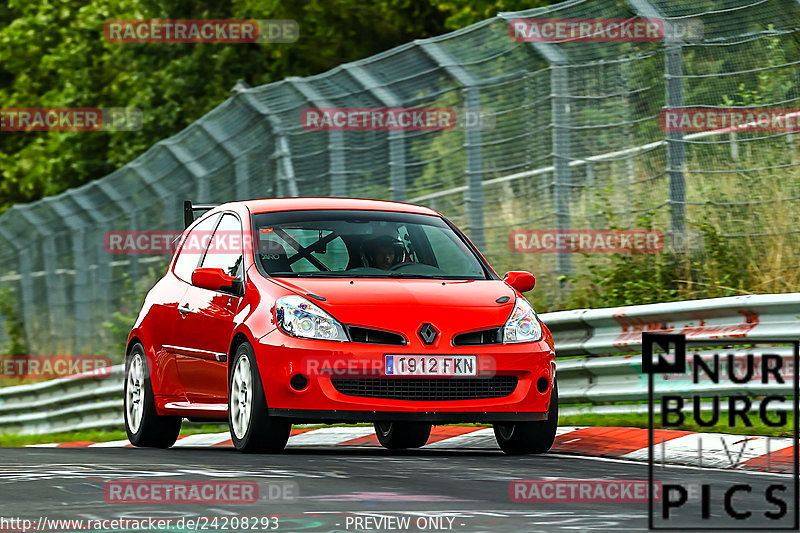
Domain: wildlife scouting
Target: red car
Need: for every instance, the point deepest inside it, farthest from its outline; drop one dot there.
(333, 310)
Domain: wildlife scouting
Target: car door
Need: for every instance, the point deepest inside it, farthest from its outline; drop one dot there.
(203, 364)
(171, 325)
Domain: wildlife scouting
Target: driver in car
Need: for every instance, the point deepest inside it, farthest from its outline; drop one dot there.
(382, 252)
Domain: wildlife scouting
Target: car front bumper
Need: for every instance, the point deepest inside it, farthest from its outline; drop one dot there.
(314, 397)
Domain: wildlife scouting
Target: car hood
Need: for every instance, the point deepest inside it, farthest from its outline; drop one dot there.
(391, 303)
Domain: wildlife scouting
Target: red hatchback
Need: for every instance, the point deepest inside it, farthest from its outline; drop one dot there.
(300, 310)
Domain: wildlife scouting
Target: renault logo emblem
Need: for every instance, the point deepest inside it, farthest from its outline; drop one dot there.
(428, 334)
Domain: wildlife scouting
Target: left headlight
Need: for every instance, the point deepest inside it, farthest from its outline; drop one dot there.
(298, 317)
(523, 325)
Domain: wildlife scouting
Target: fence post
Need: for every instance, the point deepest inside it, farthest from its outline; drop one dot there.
(562, 180)
(237, 158)
(102, 288)
(676, 149)
(472, 97)
(397, 147)
(56, 301)
(25, 283)
(187, 161)
(286, 177)
(127, 207)
(336, 150)
(282, 149)
(80, 305)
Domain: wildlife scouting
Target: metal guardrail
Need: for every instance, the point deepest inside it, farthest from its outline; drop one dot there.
(78, 403)
(619, 329)
(72, 403)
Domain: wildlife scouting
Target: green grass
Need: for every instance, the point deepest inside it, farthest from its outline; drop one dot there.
(640, 421)
(11, 440)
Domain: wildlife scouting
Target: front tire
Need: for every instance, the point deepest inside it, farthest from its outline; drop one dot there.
(521, 438)
(402, 435)
(144, 426)
(252, 429)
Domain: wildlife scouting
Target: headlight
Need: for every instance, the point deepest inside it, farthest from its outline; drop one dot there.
(523, 324)
(298, 317)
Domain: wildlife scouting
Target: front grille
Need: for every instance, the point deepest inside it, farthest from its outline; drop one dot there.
(476, 338)
(427, 389)
(375, 336)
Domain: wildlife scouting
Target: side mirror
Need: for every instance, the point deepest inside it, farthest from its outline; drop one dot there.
(213, 279)
(520, 280)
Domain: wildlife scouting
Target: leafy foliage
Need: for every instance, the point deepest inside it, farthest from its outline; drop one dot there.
(54, 55)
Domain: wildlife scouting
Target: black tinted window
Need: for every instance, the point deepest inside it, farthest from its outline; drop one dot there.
(350, 243)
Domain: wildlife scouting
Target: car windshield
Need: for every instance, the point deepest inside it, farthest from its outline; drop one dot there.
(362, 244)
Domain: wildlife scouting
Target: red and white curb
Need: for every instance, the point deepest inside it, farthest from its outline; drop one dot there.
(713, 450)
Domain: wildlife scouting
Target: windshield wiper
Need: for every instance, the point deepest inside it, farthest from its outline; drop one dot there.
(307, 274)
(421, 276)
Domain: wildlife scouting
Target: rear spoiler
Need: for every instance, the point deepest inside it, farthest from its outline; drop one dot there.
(189, 209)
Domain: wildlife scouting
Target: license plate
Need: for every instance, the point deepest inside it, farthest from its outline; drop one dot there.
(431, 365)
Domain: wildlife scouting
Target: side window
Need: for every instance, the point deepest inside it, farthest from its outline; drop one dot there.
(194, 245)
(225, 250)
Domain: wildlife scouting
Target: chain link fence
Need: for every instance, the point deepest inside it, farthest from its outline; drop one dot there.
(569, 136)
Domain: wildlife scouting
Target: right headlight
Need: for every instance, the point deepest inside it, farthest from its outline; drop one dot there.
(298, 317)
(523, 325)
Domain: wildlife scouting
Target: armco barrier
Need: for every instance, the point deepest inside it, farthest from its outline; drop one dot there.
(88, 403)
(619, 329)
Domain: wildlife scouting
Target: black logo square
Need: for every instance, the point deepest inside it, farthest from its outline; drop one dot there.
(674, 344)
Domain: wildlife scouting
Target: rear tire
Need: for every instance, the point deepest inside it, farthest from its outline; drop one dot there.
(402, 435)
(144, 426)
(252, 429)
(519, 438)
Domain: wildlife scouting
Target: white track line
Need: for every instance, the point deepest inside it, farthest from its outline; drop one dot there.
(483, 438)
(111, 444)
(203, 440)
(329, 436)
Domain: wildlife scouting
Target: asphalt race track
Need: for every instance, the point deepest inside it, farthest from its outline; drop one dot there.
(464, 490)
